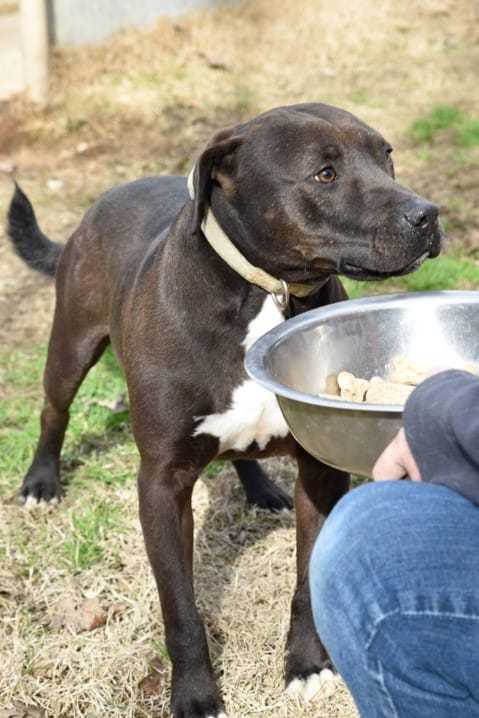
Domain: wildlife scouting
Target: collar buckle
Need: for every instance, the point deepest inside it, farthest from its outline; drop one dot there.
(281, 297)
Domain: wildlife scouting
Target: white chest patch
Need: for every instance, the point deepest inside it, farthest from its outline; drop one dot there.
(254, 414)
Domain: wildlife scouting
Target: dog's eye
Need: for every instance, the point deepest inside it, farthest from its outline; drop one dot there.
(326, 175)
(389, 152)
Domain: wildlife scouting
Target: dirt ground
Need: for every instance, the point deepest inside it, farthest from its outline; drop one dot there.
(145, 103)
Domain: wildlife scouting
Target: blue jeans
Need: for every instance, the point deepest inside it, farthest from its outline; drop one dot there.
(394, 581)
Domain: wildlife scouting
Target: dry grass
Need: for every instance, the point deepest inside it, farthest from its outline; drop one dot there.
(142, 104)
(244, 579)
(389, 61)
(90, 546)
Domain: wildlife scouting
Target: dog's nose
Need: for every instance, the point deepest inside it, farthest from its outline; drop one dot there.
(420, 215)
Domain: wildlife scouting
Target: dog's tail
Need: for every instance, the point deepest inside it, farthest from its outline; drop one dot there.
(29, 242)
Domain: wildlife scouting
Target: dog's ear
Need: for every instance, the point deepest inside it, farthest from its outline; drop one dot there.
(214, 165)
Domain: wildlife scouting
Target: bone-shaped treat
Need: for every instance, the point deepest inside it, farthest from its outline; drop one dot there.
(404, 376)
(351, 387)
(405, 371)
(387, 392)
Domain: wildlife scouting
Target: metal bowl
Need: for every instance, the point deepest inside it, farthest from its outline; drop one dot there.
(362, 336)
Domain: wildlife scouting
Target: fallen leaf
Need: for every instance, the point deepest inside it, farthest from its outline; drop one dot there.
(21, 710)
(116, 406)
(152, 684)
(78, 616)
(117, 608)
(214, 63)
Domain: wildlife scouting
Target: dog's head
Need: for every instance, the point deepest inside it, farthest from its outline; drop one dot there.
(309, 190)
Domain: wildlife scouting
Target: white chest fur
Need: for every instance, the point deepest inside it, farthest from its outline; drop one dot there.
(254, 414)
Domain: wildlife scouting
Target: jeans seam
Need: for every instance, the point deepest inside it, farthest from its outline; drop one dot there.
(445, 614)
(380, 677)
(376, 625)
(378, 674)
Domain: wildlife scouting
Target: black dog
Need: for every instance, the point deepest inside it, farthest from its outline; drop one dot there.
(304, 193)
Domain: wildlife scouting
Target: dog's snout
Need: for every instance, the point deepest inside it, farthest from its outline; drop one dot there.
(421, 215)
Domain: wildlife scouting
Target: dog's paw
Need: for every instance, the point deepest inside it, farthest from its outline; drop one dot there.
(270, 497)
(317, 685)
(41, 485)
(198, 712)
(196, 698)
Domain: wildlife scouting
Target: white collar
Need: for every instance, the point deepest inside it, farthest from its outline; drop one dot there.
(224, 247)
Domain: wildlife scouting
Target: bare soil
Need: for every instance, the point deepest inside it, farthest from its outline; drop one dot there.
(145, 103)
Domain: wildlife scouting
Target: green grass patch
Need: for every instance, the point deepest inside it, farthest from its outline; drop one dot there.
(444, 272)
(98, 445)
(214, 469)
(464, 129)
(88, 534)
(99, 458)
(468, 133)
(161, 650)
(19, 408)
(73, 536)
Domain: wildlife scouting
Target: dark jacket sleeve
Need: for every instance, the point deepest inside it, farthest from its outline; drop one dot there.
(441, 422)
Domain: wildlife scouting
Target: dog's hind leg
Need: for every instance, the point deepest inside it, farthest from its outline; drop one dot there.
(318, 488)
(75, 346)
(259, 489)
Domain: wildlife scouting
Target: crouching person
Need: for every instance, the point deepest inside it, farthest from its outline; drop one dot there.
(395, 571)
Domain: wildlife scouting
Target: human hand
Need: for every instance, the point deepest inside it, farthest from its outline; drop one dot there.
(396, 461)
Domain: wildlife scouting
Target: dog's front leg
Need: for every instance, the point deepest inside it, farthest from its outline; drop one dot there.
(167, 522)
(318, 488)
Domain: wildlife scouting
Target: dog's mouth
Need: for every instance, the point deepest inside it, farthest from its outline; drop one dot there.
(354, 271)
